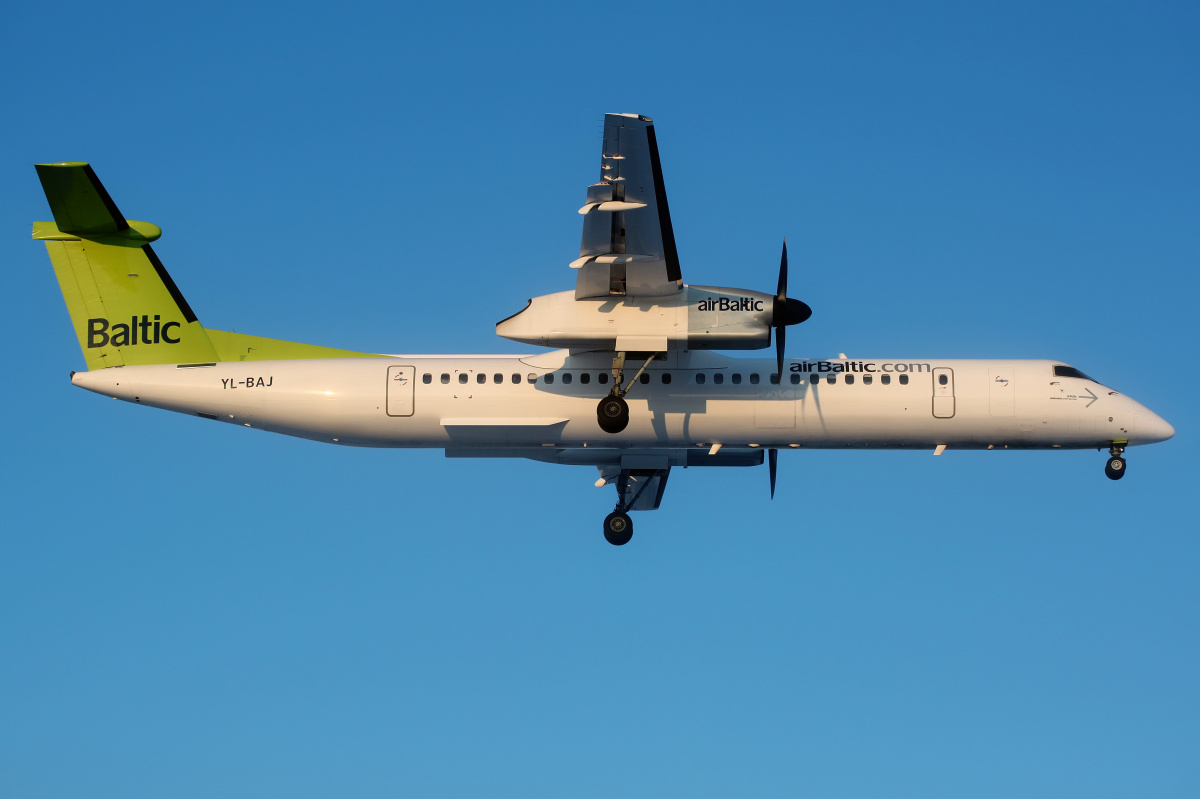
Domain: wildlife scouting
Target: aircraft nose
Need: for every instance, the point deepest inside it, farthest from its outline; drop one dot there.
(1152, 427)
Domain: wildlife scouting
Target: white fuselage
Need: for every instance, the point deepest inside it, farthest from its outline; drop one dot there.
(507, 405)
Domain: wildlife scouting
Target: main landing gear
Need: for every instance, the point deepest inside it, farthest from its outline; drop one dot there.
(1115, 468)
(612, 414)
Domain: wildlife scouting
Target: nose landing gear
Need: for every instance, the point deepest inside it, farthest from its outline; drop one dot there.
(1114, 469)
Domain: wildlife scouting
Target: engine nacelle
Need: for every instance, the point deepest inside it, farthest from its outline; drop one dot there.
(695, 317)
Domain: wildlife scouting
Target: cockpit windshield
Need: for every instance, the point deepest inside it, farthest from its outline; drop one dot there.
(1071, 371)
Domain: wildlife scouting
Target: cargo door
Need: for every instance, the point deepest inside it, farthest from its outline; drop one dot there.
(401, 382)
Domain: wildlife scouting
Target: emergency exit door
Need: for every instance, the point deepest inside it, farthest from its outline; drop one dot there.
(943, 392)
(400, 385)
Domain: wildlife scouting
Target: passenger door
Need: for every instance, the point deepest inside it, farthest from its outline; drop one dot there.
(943, 392)
(401, 382)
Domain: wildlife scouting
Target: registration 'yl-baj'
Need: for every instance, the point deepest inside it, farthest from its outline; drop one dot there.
(633, 384)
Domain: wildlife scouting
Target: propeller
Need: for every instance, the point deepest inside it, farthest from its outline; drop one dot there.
(785, 312)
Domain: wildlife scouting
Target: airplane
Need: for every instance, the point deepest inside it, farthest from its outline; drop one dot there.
(631, 379)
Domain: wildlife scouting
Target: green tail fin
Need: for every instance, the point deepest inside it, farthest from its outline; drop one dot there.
(125, 308)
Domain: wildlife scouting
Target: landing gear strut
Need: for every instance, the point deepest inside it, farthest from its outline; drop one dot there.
(1115, 468)
(612, 414)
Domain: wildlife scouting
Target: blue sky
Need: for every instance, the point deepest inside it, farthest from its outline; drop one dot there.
(190, 609)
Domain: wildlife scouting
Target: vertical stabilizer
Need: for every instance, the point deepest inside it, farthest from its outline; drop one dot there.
(124, 306)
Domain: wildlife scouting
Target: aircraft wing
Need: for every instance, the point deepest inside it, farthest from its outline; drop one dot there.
(628, 246)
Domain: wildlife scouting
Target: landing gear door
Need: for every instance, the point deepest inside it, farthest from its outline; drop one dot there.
(401, 381)
(943, 392)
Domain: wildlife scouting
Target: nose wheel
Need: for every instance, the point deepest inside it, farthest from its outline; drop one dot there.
(1114, 469)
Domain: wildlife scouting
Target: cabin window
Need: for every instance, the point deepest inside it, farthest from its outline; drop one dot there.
(427, 378)
(531, 377)
(602, 378)
(904, 380)
(754, 379)
(549, 379)
(885, 379)
(736, 378)
(497, 378)
(585, 378)
(718, 378)
(666, 378)
(645, 378)
(445, 378)
(814, 379)
(516, 378)
(567, 378)
(867, 380)
(699, 378)
(774, 379)
(849, 380)
(943, 380)
(795, 379)
(481, 378)
(831, 379)
(462, 377)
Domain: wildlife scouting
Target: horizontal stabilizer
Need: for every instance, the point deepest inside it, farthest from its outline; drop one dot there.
(79, 201)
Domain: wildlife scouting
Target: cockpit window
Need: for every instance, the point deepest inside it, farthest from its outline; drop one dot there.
(1070, 371)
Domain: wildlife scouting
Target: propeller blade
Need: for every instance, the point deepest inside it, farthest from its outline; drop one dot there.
(779, 343)
(787, 312)
(781, 291)
(780, 305)
(773, 467)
